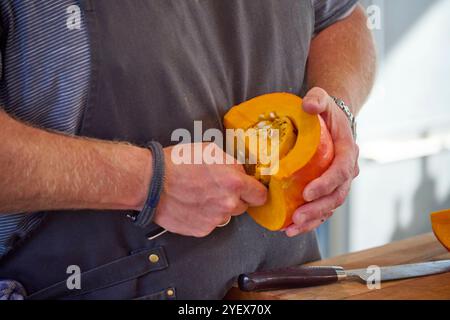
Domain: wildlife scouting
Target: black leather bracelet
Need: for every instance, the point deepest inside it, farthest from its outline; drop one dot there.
(145, 217)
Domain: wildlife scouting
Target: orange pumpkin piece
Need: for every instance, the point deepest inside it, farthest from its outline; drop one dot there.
(440, 221)
(305, 152)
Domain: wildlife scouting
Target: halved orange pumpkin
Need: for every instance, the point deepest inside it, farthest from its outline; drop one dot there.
(440, 221)
(310, 153)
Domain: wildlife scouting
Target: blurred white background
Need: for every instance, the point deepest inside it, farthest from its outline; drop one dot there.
(404, 131)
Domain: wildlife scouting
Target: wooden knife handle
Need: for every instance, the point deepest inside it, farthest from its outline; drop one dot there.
(289, 278)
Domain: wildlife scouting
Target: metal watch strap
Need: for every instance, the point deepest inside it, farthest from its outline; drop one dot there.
(351, 118)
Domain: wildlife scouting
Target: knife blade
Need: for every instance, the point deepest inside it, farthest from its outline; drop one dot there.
(299, 277)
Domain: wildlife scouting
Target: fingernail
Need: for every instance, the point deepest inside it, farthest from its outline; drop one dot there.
(310, 195)
(311, 100)
(292, 232)
(300, 218)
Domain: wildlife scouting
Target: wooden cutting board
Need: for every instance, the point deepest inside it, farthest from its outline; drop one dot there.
(419, 249)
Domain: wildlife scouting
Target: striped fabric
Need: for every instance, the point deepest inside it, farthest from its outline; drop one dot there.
(45, 75)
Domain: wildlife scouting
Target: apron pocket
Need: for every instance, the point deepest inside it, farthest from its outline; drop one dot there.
(118, 271)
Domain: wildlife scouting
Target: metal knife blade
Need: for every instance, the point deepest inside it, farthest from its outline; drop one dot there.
(298, 277)
(403, 271)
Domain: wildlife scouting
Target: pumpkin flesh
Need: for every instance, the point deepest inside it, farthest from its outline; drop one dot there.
(310, 152)
(440, 221)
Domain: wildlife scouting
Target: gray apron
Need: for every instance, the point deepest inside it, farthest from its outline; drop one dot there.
(158, 65)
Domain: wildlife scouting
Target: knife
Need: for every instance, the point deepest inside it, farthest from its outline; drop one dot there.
(300, 277)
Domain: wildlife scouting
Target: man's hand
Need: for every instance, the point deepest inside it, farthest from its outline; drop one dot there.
(328, 192)
(342, 60)
(199, 197)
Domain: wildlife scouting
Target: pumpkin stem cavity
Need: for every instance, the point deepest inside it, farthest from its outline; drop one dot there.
(269, 126)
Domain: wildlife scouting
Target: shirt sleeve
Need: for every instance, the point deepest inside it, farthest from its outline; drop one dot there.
(328, 12)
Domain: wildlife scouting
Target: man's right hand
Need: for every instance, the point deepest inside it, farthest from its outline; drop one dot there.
(199, 197)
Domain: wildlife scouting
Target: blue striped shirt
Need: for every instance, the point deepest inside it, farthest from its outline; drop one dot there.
(45, 74)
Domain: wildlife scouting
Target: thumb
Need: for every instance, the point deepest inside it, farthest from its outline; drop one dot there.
(316, 101)
(254, 193)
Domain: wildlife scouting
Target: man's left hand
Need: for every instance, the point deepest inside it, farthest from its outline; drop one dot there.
(325, 194)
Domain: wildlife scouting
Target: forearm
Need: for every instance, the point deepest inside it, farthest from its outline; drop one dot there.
(41, 170)
(342, 60)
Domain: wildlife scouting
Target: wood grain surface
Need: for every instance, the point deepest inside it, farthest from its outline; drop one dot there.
(419, 249)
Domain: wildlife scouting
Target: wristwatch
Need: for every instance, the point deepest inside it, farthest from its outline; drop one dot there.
(351, 118)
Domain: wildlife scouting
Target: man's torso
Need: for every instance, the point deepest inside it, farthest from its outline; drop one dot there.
(157, 66)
